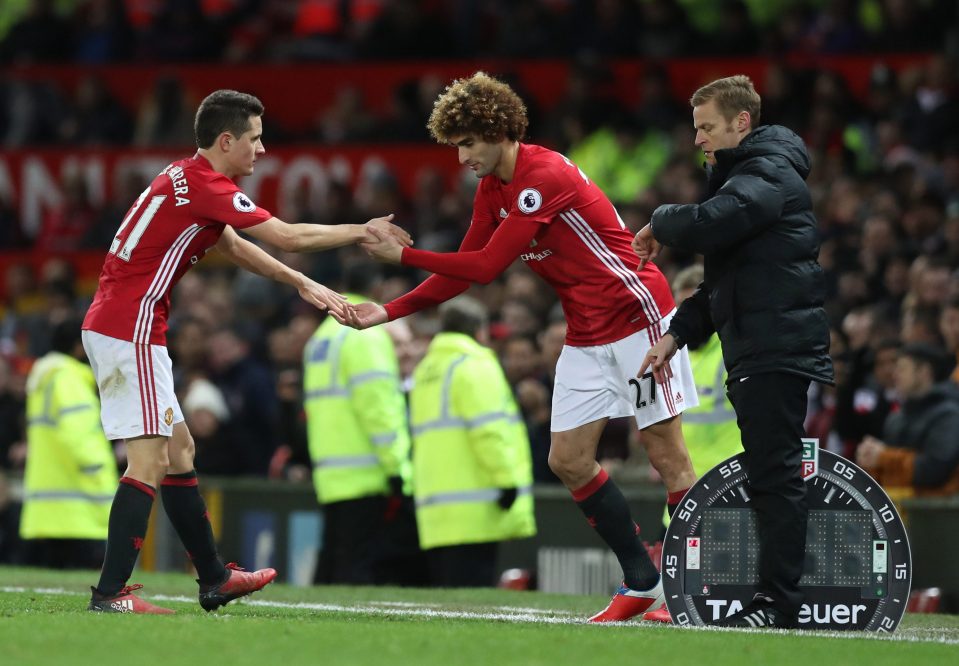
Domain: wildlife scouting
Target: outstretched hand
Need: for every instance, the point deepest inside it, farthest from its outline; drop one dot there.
(365, 315)
(645, 246)
(385, 225)
(323, 298)
(382, 246)
(658, 358)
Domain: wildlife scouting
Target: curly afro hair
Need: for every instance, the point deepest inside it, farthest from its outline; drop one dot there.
(480, 106)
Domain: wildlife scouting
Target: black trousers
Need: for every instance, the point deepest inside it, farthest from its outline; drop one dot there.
(65, 553)
(350, 532)
(466, 565)
(770, 409)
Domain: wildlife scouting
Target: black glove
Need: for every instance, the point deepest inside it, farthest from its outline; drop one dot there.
(394, 501)
(396, 486)
(506, 498)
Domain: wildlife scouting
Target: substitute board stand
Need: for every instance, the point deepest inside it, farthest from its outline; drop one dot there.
(858, 568)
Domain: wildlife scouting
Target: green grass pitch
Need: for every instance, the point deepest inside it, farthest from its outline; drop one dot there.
(43, 621)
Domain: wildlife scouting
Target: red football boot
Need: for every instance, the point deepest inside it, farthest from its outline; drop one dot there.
(238, 583)
(124, 601)
(660, 614)
(627, 604)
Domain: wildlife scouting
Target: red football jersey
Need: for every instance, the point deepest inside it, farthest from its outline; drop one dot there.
(168, 229)
(554, 218)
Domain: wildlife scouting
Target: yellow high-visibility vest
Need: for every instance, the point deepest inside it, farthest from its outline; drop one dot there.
(469, 441)
(356, 414)
(71, 472)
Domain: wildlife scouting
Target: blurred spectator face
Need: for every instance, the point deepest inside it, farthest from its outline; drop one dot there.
(920, 324)
(202, 423)
(519, 318)
(912, 379)
(878, 236)
(288, 383)
(520, 359)
(933, 286)
(279, 343)
(853, 288)
(407, 352)
(857, 325)
(301, 328)
(949, 327)
(19, 281)
(190, 344)
(884, 367)
(226, 350)
(896, 278)
(551, 342)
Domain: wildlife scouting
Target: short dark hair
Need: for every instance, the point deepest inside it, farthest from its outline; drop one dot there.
(463, 314)
(930, 355)
(361, 277)
(224, 111)
(65, 335)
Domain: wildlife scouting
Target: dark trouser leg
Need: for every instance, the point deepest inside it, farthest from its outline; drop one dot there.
(349, 541)
(770, 409)
(466, 565)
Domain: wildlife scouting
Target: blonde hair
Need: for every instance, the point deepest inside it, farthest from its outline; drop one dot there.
(688, 278)
(480, 106)
(732, 94)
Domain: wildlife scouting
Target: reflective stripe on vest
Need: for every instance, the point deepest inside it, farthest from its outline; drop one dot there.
(447, 421)
(339, 391)
(468, 496)
(336, 390)
(385, 439)
(67, 495)
(48, 419)
(342, 462)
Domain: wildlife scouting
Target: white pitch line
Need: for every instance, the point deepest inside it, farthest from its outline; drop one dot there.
(524, 615)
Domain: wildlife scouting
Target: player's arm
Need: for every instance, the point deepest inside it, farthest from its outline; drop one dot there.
(482, 265)
(433, 290)
(248, 256)
(314, 237)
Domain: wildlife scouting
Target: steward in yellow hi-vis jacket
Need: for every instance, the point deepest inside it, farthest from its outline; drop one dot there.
(472, 467)
(359, 441)
(71, 471)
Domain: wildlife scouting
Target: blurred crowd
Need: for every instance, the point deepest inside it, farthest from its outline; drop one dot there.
(885, 185)
(243, 31)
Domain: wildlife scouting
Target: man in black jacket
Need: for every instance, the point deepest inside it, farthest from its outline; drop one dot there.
(763, 293)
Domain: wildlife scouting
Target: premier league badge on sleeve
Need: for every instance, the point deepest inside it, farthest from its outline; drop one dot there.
(242, 203)
(530, 200)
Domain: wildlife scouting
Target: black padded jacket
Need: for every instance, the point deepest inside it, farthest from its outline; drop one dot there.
(763, 290)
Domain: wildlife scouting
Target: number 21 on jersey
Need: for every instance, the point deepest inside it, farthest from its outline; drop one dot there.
(139, 228)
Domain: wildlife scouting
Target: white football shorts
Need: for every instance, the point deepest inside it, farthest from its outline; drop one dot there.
(600, 381)
(136, 387)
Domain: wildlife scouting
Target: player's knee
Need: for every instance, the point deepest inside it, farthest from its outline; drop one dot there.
(568, 468)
